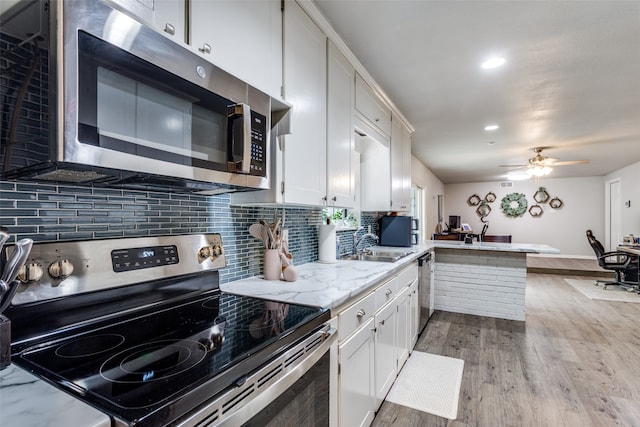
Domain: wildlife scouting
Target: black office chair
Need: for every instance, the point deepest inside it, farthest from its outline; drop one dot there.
(620, 262)
(485, 227)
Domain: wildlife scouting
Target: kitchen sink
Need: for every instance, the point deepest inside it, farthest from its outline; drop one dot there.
(380, 256)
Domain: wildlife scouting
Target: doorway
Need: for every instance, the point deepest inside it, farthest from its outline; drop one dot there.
(613, 199)
(418, 209)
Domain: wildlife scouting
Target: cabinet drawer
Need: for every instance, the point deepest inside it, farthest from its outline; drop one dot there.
(371, 106)
(386, 292)
(407, 276)
(356, 315)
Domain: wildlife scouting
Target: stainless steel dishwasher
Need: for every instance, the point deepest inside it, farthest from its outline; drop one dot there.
(425, 270)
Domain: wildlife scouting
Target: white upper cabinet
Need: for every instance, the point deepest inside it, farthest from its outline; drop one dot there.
(370, 107)
(242, 37)
(400, 166)
(375, 174)
(166, 16)
(305, 88)
(299, 159)
(340, 135)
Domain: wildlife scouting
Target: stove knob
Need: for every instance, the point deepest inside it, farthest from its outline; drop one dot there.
(210, 252)
(61, 269)
(217, 250)
(30, 272)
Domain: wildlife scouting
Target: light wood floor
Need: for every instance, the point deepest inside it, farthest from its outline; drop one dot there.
(574, 362)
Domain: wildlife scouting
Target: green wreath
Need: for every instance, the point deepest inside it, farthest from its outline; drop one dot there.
(514, 204)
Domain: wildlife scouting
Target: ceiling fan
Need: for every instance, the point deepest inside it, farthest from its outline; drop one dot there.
(540, 165)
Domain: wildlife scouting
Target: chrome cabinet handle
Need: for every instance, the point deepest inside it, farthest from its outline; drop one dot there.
(169, 29)
(360, 313)
(389, 292)
(206, 48)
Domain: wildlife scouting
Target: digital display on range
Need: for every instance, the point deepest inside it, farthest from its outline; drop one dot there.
(146, 253)
(138, 258)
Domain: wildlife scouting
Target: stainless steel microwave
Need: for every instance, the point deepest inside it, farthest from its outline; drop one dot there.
(92, 96)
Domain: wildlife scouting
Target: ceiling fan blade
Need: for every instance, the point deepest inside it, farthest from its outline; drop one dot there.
(512, 166)
(571, 162)
(548, 161)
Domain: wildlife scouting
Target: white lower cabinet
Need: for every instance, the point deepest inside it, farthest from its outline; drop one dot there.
(402, 331)
(356, 378)
(375, 337)
(385, 361)
(415, 314)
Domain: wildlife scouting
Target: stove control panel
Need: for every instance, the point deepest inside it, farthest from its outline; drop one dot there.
(60, 269)
(138, 258)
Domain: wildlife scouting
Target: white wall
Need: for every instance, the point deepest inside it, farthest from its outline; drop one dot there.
(563, 229)
(423, 178)
(630, 180)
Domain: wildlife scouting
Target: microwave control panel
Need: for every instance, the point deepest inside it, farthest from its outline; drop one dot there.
(258, 144)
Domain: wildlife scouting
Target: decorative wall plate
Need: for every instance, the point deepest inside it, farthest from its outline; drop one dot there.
(514, 204)
(474, 200)
(541, 196)
(490, 197)
(556, 203)
(483, 210)
(536, 210)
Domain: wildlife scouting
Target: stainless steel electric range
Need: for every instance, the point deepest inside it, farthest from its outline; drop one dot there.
(139, 329)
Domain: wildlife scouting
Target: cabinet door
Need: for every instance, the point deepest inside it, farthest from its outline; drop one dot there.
(415, 315)
(305, 75)
(406, 166)
(166, 16)
(375, 182)
(371, 107)
(403, 333)
(356, 386)
(385, 351)
(340, 135)
(400, 166)
(241, 37)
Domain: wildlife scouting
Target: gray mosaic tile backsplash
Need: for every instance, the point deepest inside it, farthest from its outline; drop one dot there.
(53, 213)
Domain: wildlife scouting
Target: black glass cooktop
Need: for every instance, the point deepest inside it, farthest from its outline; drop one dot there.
(143, 368)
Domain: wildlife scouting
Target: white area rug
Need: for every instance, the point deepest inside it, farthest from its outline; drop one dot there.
(612, 293)
(429, 383)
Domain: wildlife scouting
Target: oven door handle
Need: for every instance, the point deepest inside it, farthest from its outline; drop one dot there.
(292, 366)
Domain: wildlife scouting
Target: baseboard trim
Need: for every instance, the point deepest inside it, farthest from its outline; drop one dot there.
(567, 272)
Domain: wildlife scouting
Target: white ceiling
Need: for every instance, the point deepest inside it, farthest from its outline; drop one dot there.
(571, 80)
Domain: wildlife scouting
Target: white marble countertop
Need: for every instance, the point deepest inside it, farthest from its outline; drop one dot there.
(27, 401)
(333, 285)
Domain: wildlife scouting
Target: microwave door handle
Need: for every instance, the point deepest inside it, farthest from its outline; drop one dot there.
(245, 166)
(239, 112)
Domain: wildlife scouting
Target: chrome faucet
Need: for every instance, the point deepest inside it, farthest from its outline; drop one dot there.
(357, 241)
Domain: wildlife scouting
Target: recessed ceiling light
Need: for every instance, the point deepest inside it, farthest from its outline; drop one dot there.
(493, 63)
(491, 127)
(491, 142)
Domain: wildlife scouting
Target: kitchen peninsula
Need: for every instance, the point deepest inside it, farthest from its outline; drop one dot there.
(482, 278)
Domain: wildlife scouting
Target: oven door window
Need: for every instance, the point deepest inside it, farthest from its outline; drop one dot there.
(129, 105)
(305, 403)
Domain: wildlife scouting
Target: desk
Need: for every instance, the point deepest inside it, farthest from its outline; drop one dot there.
(454, 236)
(633, 270)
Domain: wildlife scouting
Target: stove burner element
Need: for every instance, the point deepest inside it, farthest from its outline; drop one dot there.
(89, 346)
(212, 303)
(153, 361)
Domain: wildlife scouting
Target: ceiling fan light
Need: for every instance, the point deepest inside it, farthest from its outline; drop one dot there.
(538, 170)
